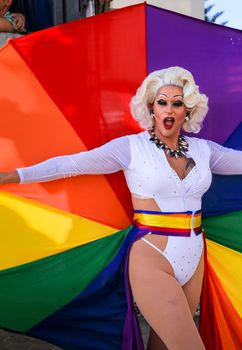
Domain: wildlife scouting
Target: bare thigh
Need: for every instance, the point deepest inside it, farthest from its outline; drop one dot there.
(161, 299)
(192, 290)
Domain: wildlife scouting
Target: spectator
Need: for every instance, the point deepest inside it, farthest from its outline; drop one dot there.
(9, 21)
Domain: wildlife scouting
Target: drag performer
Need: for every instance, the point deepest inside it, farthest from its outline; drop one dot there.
(167, 175)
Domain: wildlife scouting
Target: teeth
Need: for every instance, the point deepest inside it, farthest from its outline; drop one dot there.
(169, 121)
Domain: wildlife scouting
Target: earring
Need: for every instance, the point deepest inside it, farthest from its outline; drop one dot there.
(152, 114)
(187, 117)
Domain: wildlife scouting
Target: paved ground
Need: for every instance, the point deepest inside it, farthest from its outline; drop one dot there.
(11, 341)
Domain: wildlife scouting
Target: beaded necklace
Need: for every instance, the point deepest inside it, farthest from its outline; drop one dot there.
(173, 153)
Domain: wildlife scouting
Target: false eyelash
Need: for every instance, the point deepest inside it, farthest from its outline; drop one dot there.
(162, 102)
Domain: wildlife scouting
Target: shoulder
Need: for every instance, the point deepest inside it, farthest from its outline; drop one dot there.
(199, 144)
(196, 141)
(139, 137)
(124, 140)
(203, 142)
(121, 140)
(119, 144)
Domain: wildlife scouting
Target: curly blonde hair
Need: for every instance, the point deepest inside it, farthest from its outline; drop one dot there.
(194, 101)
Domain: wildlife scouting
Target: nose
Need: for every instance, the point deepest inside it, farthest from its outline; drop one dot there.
(169, 108)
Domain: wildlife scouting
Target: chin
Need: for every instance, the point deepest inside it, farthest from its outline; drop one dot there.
(169, 133)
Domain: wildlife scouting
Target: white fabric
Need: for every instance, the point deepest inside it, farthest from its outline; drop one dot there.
(147, 171)
(149, 175)
(109, 158)
(183, 254)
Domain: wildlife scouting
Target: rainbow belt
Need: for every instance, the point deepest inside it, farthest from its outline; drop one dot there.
(169, 224)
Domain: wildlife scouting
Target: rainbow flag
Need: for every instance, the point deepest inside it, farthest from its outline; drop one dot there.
(64, 244)
(65, 280)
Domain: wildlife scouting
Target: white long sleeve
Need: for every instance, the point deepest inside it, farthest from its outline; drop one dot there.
(225, 161)
(114, 156)
(109, 158)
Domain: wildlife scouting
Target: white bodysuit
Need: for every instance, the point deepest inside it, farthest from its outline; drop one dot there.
(149, 175)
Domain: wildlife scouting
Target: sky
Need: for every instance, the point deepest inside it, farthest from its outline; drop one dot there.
(232, 12)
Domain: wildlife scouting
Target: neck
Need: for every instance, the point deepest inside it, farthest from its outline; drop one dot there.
(176, 152)
(171, 141)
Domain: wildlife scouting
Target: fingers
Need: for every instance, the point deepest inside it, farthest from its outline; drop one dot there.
(19, 21)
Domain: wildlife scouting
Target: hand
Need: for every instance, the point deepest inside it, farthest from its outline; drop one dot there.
(19, 22)
(9, 177)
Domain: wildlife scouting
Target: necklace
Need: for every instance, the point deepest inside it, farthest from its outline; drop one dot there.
(177, 153)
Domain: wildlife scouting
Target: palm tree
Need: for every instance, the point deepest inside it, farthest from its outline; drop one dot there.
(214, 17)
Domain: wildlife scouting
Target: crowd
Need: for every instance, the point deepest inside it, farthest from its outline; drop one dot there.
(19, 17)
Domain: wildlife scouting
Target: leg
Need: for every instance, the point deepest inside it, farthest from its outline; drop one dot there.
(192, 289)
(161, 299)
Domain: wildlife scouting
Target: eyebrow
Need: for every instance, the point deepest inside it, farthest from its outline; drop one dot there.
(167, 96)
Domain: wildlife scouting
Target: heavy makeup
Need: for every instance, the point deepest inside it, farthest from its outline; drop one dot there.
(169, 114)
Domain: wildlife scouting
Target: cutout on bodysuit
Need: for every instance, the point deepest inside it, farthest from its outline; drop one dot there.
(144, 203)
(157, 240)
(189, 165)
(158, 244)
(149, 204)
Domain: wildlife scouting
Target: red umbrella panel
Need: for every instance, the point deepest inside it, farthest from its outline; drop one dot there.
(65, 90)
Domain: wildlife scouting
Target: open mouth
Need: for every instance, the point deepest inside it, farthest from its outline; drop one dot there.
(169, 122)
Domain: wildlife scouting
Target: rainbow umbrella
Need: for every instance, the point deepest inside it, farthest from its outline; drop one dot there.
(63, 243)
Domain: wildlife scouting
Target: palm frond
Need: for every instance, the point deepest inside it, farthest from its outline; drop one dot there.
(207, 9)
(214, 17)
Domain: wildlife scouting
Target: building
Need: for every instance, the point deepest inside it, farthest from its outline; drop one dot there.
(193, 8)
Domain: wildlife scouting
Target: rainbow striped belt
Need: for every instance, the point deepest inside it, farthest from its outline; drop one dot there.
(169, 224)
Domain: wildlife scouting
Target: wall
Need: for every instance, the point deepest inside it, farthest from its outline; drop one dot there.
(194, 8)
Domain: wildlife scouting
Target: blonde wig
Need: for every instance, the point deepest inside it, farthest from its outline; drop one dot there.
(195, 102)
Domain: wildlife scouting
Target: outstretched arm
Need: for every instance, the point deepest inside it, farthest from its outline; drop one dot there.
(225, 161)
(109, 158)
